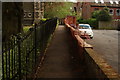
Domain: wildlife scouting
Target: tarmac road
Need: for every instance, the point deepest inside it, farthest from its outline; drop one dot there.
(105, 43)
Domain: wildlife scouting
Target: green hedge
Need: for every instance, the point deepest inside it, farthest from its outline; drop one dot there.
(92, 21)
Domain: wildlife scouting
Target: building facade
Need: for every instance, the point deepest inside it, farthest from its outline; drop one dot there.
(33, 11)
(89, 7)
(77, 8)
(38, 10)
(28, 13)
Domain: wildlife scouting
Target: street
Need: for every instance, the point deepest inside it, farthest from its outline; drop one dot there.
(105, 43)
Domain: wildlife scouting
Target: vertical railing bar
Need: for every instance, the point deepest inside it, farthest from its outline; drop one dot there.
(32, 51)
(16, 58)
(19, 56)
(26, 58)
(33, 57)
(35, 42)
(9, 58)
(40, 41)
(12, 57)
(3, 77)
(14, 54)
(29, 55)
(6, 60)
(43, 37)
(38, 38)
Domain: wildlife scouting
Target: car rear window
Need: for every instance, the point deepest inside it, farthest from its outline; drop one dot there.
(84, 27)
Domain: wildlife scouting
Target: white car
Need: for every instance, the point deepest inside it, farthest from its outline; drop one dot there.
(86, 30)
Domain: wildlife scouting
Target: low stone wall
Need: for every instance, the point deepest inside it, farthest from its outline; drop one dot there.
(97, 67)
(108, 24)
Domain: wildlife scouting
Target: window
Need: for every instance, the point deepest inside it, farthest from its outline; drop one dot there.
(75, 9)
(24, 15)
(37, 5)
(96, 9)
(118, 12)
(111, 11)
(37, 15)
(84, 27)
(29, 14)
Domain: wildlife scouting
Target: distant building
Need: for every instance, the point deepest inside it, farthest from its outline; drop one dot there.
(33, 11)
(89, 7)
(77, 8)
(28, 8)
(38, 10)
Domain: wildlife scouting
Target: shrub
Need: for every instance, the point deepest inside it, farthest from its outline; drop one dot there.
(104, 16)
(92, 21)
(95, 14)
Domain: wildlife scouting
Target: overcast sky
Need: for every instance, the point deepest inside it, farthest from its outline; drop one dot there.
(58, 0)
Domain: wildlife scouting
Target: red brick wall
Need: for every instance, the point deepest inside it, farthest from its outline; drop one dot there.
(115, 16)
(87, 11)
(94, 64)
(70, 20)
(100, 8)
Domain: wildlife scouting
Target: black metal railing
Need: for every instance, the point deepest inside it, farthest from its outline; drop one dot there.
(22, 53)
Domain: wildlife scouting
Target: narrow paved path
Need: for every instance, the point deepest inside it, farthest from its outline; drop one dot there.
(60, 61)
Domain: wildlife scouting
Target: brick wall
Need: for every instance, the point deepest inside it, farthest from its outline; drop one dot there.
(89, 7)
(86, 13)
(95, 65)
